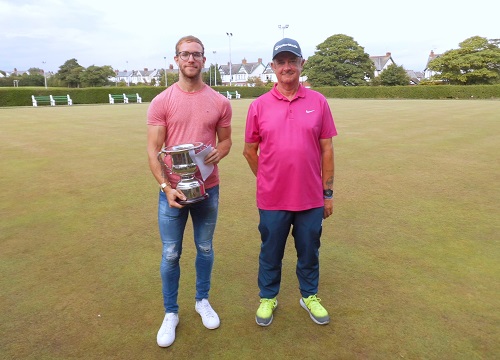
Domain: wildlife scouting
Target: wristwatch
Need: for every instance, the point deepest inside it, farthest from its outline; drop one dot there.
(163, 186)
(328, 194)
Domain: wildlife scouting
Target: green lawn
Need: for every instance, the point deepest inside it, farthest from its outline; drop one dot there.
(409, 261)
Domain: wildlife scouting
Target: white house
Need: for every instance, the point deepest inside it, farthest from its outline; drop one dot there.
(136, 76)
(240, 73)
(427, 72)
(381, 62)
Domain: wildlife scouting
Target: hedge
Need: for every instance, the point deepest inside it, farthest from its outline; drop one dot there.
(21, 96)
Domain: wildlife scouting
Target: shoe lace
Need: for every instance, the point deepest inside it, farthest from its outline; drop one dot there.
(169, 323)
(267, 304)
(206, 309)
(313, 302)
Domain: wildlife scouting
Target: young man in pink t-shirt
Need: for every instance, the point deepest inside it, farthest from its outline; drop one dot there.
(187, 112)
(288, 146)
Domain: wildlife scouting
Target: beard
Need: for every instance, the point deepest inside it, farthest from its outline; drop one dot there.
(190, 72)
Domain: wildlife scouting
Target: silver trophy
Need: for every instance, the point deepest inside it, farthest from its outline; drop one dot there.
(184, 166)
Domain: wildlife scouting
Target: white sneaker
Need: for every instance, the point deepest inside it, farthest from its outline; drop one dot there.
(166, 334)
(208, 315)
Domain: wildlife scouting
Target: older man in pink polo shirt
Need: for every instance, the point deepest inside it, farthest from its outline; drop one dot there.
(288, 146)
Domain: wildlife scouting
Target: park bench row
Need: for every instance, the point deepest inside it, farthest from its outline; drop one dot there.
(230, 94)
(124, 98)
(51, 99)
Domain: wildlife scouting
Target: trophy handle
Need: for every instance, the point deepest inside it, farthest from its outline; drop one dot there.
(162, 163)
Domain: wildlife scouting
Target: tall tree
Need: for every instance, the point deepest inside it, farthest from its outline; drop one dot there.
(97, 75)
(69, 73)
(477, 61)
(394, 75)
(339, 60)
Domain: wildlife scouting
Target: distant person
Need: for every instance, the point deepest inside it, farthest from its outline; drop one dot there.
(288, 146)
(189, 111)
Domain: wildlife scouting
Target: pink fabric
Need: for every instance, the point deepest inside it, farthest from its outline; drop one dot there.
(191, 117)
(288, 133)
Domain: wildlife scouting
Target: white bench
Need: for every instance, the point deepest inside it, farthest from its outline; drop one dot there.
(233, 93)
(117, 97)
(124, 98)
(54, 99)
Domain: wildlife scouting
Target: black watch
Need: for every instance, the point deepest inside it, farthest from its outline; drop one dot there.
(328, 193)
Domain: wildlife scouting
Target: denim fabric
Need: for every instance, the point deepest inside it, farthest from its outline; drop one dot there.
(274, 228)
(172, 223)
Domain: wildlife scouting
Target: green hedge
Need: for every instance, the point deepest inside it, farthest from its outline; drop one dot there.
(21, 96)
(413, 92)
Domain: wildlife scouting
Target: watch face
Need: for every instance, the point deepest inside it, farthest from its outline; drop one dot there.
(328, 193)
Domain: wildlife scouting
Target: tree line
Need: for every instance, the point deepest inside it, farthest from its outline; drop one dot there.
(338, 61)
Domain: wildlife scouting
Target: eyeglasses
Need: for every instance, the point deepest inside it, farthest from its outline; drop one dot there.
(184, 55)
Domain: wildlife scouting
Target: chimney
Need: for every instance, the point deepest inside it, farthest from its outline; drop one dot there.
(244, 61)
(171, 67)
(145, 69)
(432, 53)
(388, 54)
(259, 60)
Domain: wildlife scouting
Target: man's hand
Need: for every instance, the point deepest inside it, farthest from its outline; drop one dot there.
(213, 157)
(328, 209)
(172, 195)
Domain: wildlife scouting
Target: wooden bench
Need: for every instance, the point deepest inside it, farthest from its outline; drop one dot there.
(134, 97)
(60, 99)
(233, 93)
(41, 100)
(225, 93)
(118, 97)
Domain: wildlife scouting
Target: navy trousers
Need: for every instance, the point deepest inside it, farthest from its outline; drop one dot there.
(274, 229)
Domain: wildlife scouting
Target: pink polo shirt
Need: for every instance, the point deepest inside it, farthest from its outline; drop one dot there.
(191, 117)
(288, 133)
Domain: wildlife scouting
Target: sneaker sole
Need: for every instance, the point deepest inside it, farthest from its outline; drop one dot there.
(312, 316)
(263, 323)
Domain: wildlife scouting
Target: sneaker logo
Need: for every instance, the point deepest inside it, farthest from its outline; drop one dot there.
(309, 111)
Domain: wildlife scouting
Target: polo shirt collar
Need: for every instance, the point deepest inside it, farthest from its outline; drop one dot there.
(301, 92)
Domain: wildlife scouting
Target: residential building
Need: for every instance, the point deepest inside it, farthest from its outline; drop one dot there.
(240, 73)
(382, 62)
(427, 72)
(136, 76)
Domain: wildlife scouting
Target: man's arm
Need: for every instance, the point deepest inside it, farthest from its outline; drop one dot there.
(250, 152)
(327, 172)
(156, 139)
(223, 147)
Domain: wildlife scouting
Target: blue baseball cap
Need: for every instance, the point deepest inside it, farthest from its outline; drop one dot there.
(287, 44)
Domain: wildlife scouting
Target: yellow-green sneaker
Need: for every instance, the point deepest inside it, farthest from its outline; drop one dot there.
(316, 311)
(264, 316)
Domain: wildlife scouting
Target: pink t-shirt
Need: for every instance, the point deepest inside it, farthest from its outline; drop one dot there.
(189, 118)
(288, 133)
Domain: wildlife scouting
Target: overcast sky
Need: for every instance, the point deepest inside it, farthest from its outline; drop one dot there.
(134, 35)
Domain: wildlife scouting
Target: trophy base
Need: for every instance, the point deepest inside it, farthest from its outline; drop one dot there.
(192, 201)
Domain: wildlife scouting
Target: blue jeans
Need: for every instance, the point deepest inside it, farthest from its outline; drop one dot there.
(274, 228)
(172, 222)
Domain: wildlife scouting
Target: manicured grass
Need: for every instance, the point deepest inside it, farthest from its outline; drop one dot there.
(409, 261)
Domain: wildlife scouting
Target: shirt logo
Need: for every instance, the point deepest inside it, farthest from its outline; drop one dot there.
(309, 111)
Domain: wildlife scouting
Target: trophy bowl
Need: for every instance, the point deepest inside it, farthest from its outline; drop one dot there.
(184, 166)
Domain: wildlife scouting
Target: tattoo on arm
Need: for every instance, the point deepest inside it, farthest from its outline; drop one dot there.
(329, 182)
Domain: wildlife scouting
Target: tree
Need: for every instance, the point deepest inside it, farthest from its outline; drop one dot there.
(339, 60)
(477, 61)
(69, 73)
(394, 75)
(97, 75)
(211, 76)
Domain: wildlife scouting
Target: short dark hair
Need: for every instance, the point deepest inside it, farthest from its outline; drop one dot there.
(189, 38)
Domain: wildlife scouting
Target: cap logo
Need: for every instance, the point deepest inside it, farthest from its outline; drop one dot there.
(280, 46)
